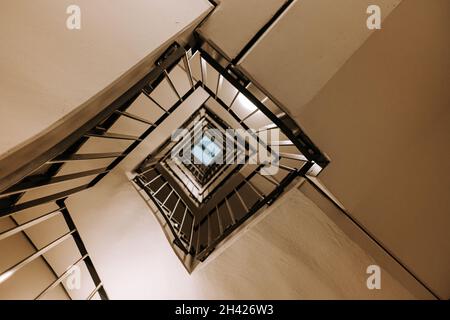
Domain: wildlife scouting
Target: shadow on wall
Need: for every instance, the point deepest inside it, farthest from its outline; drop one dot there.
(291, 253)
(386, 117)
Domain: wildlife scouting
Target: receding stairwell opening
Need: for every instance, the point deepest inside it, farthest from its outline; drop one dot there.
(199, 200)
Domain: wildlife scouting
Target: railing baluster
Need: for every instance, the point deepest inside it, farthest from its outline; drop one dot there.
(182, 221)
(187, 66)
(197, 250)
(249, 115)
(287, 168)
(192, 233)
(254, 189)
(27, 186)
(97, 288)
(154, 101)
(29, 224)
(270, 126)
(272, 181)
(10, 271)
(208, 231)
(219, 219)
(160, 188)
(293, 156)
(282, 143)
(172, 85)
(87, 156)
(149, 169)
(164, 203)
(82, 248)
(234, 99)
(61, 278)
(111, 135)
(174, 209)
(39, 201)
(240, 199)
(203, 71)
(233, 219)
(219, 84)
(134, 117)
(154, 179)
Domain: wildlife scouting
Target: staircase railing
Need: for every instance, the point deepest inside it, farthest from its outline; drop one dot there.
(44, 171)
(174, 210)
(298, 157)
(40, 174)
(65, 233)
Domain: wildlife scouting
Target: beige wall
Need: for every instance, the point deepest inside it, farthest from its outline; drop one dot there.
(32, 279)
(307, 45)
(384, 120)
(291, 253)
(234, 22)
(377, 102)
(46, 71)
(377, 133)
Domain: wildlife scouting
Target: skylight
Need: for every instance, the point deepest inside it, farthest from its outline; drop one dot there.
(205, 151)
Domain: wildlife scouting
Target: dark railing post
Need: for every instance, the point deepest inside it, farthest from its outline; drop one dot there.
(83, 251)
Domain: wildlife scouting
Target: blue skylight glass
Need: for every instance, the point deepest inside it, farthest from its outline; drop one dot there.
(205, 151)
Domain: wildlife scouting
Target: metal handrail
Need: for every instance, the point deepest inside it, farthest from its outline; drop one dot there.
(27, 159)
